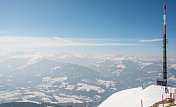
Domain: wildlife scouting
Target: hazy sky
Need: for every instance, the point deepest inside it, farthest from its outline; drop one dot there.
(94, 26)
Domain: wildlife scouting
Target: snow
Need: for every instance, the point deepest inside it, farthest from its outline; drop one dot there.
(151, 72)
(63, 98)
(53, 80)
(172, 78)
(101, 61)
(132, 97)
(9, 96)
(48, 82)
(21, 67)
(34, 59)
(70, 87)
(145, 64)
(29, 101)
(106, 83)
(121, 66)
(55, 68)
(66, 100)
(65, 56)
(85, 87)
(173, 66)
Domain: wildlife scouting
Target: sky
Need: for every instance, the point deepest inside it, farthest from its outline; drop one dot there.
(126, 27)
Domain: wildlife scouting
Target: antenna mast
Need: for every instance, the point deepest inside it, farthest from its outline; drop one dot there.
(164, 48)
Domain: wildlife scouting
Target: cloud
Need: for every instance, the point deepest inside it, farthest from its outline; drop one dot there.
(62, 40)
(152, 40)
(107, 44)
(14, 42)
(66, 42)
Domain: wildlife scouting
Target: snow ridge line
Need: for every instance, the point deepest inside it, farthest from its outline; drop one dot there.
(151, 96)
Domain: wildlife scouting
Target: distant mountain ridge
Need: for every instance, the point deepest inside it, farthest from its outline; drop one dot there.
(67, 78)
(29, 104)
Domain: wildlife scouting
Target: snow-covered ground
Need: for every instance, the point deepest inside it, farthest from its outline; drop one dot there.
(132, 97)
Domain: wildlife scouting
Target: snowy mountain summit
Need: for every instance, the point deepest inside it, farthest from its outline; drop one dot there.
(138, 97)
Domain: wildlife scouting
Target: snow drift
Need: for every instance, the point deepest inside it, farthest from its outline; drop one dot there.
(132, 97)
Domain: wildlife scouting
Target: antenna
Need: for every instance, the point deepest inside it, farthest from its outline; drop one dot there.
(164, 48)
(163, 81)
